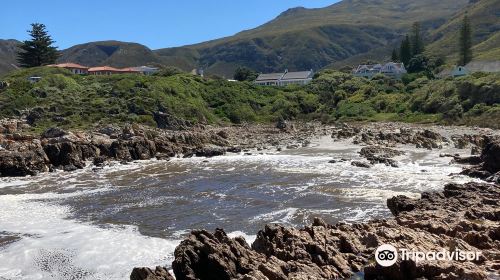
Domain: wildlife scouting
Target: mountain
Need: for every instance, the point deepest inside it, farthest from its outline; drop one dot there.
(8, 55)
(484, 16)
(112, 53)
(314, 38)
(342, 34)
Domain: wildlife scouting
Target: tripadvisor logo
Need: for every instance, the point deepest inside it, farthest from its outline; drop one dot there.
(387, 255)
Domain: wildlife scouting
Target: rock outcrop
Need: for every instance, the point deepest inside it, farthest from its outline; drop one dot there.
(462, 217)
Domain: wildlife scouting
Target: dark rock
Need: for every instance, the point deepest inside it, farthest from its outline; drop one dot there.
(18, 164)
(281, 124)
(53, 132)
(170, 122)
(491, 156)
(210, 152)
(472, 160)
(144, 273)
(361, 164)
(34, 115)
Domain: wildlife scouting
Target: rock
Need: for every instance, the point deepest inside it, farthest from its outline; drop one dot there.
(163, 157)
(18, 164)
(170, 122)
(160, 273)
(491, 156)
(377, 154)
(53, 132)
(34, 115)
(361, 164)
(472, 160)
(223, 134)
(466, 217)
(210, 152)
(281, 124)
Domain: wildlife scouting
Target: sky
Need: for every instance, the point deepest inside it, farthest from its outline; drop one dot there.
(154, 23)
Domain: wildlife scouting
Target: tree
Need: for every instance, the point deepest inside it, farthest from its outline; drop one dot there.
(465, 42)
(418, 63)
(39, 50)
(395, 56)
(417, 42)
(245, 74)
(405, 50)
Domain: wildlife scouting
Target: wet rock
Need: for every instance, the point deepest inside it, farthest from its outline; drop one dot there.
(18, 164)
(472, 160)
(144, 273)
(491, 156)
(378, 154)
(361, 164)
(210, 152)
(465, 217)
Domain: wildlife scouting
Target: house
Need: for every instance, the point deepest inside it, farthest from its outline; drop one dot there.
(105, 70)
(285, 78)
(34, 79)
(472, 67)
(73, 67)
(146, 70)
(390, 69)
(459, 71)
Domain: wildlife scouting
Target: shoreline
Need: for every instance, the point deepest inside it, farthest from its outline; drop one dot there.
(350, 246)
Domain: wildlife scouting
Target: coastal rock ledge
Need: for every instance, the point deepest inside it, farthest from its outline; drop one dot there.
(462, 217)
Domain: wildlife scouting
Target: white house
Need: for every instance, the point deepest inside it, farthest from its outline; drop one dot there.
(284, 79)
(391, 69)
(472, 67)
(459, 71)
(146, 70)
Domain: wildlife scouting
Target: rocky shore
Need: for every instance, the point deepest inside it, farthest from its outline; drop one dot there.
(23, 154)
(463, 217)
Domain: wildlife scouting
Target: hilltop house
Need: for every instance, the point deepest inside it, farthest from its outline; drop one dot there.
(391, 69)
(284, 79)
(472, 67)
(145, 70)
(107, 70)
(73, 67)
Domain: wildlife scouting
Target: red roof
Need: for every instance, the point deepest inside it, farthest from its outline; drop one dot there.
(104, 69)
(69, 65)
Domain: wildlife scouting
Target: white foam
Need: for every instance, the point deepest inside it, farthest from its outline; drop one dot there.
(248, 238)
(53, 247)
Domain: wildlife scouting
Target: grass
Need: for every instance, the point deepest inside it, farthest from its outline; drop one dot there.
(82, 102)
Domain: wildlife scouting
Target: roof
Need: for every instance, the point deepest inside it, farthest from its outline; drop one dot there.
(69, 65)
(483, 66)
(104, 68)
(145, 68)
(269, 77)
(297, 75)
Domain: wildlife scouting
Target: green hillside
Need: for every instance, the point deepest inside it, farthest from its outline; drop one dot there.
(485, 19)
(73, 101)
(314, 38)
(112, 53)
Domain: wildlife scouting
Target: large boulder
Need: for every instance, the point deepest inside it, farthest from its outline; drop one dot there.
(491, 156)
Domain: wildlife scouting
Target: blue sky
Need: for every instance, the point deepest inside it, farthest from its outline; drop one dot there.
(154, 23)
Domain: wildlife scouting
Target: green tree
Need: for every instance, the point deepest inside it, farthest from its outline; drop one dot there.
(245, 74)
(39, 50)
(465, 42)
(405, 50)
(417, 42)
(395, 56)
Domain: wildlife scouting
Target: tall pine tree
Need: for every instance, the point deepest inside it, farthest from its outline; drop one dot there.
(39, 50)
(405, 50)
(395, 56)
(417, 42)
(465, 42)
